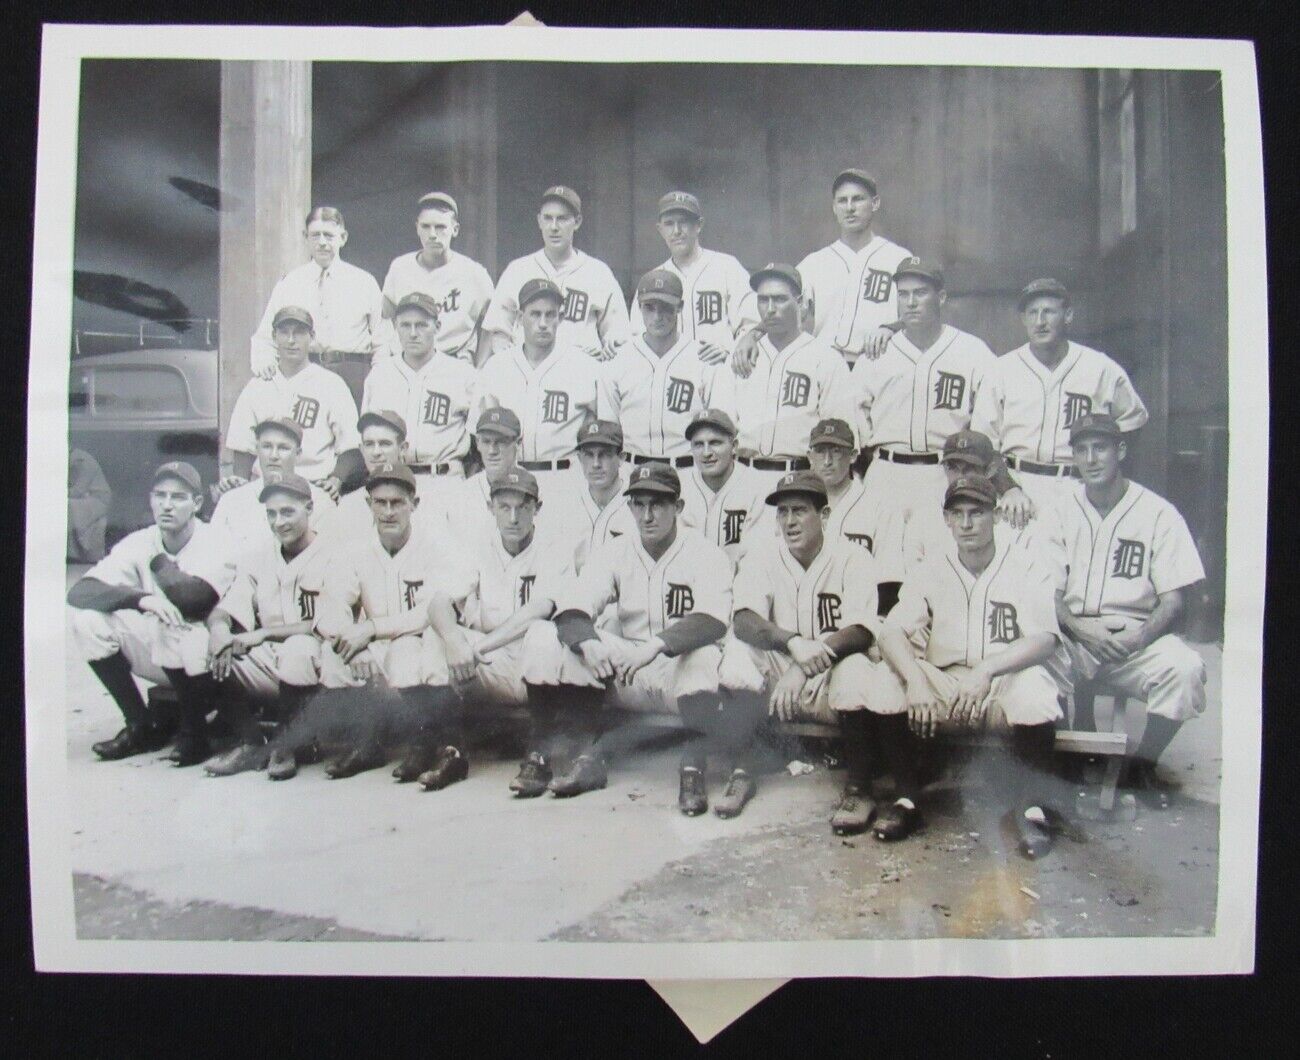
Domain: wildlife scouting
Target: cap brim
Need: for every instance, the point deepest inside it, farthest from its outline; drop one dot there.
(660, 296)
(651, 487)
(499, 430)
(721, 428)
(368, 419)
(772, 274)
(280, 487)
(292, 320)
(831, 441)
(681, 209)
(507, 488)
(1093, 432)
(920, 274)
(776, 495)
(974, 459)
(176, 477)
(379, 480)
(969, 495)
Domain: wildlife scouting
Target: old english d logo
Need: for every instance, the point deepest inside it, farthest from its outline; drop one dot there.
(555, 406)
(1076, 405)
(679, 395)
(307, 604)
(1128, 559)
(436, 410)
(679, 600)
(795, 387)
(949, 391)
(575, 305)
(526, 588)
(305, 411)
(733, 522)
(876, 285)
(409, 592)
(860, 539)
(1003, 626)
(708, 307)
(828, 612)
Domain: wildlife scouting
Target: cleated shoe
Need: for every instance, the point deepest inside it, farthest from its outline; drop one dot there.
(692, 791)
(131, 741)
(419, 758)
(190, 750)
(449, 766)
(896, 822)
(741, 787)
(358, 760)
(854, 813)
(282, 765)
(585, 773)
(239, 759)
(533, 777)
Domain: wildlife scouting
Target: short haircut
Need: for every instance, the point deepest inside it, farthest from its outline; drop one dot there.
(325, 213)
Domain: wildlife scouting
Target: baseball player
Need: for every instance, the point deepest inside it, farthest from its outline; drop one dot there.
(724, 500)
(343, 301)
(658, 380)
(597, 511)
(549, 386)
(433, 394)
(89, 499)
(987, 615)
(593, 316)
(672, 595)
(260, 636)
(804, 615)
(797, 379)
(459, 286)
(140, 611)
(314, 398)
(240, 512)
(718, 302)
(383, 441)
(496, 437)
(1032, 395)
(1125, 561)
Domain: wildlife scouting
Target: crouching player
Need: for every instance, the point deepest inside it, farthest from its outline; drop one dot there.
(140, 610)
(671, 593)
(805, 612)
(987, 611)
(275, 656)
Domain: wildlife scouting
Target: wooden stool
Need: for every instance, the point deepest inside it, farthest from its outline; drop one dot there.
(1113, 745)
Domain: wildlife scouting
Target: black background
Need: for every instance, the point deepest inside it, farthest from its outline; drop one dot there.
(154, 1015)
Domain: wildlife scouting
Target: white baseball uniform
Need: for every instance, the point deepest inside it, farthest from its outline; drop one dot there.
(837, 590)
(462, 290)
(1112, 570)
(551, 400)
(241, 515)
(148, 645)
(314, 398)
(692, 577)
(927, 533)
(352, 521)
(852, 293)
(733, 517)
(654, 398)
(585, 527)
(718, 301)
(592, 299)
(856, 519)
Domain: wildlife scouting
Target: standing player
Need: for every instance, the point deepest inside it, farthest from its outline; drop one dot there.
(140, 610)
(343, 300)
(1033, 395)
(433, 394)
(593, 316)
(459, 286)
(597, 511)
(658, 380)
(671, 592)
(719, 303)
(805, 612)
(315, 399)
(987, 615)
(1126, 561)
(724, 500)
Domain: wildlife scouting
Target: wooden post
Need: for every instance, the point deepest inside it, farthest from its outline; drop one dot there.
(265, 184)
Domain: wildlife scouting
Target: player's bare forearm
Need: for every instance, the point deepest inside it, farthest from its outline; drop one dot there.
(1020, 655)
(516, 625)
(278, 634)
(391, 627)
(219, 621)
(482, 348)
(898, 652)
(852, 640)
(759, 633)
(1163, 619)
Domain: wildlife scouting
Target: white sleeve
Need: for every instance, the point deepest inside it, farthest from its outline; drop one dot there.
(614, 321)
(240, 436)
(504, 307)
(742, 302)
(261, 346)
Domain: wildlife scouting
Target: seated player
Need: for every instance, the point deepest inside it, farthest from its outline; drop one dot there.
(261, 639)
(140, 611)
(804, 615)
(1125, 561)
(987, 615)
(724, 499)
(671, 591)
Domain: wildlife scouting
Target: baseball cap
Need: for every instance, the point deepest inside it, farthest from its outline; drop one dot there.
(279, 423)
(971, 488)
(660, 285)
(499, 421)
(806, 483)
(1095, 423)
(518, 479)
(539, 287)
(775, 270)
(600, 432)
(973, 445)
(383, 418)
(397, 472)
(418, 300)
(276, 479)
(181, 471)
(680, 200)
(655, 477)
(1042, 286)
(292, 313)
(714, 418)
(832, 432)
(560, 193)
(860, 176)
(440, 198)
(918, 267)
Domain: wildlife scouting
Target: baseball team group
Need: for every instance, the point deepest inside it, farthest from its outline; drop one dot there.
(794, 492)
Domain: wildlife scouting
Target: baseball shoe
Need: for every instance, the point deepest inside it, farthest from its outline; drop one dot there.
(692, 791)
(282, 765)
(533, 777)
(854, 813)
(741, 787)
(137, 740)
(1033, 840)
(1149, 787)
(448, 766)
(896, 822)
(190, 749)
(238, 759)
(358, 760)
(419, 758)
(585, 773)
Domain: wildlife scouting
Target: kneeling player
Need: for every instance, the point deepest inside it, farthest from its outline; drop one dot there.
(987, 611)
(671, 596)
(805, 609)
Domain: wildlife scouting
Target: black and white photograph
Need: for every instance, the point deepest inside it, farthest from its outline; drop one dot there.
(551, 502)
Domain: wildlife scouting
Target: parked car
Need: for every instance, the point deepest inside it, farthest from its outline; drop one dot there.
(136, 409)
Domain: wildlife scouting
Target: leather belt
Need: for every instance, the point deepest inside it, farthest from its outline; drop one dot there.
(891, 457)
(544, 465)
(338, 357)
(430, 469)
(762, 463)
(1055, 470)
(676, 461)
